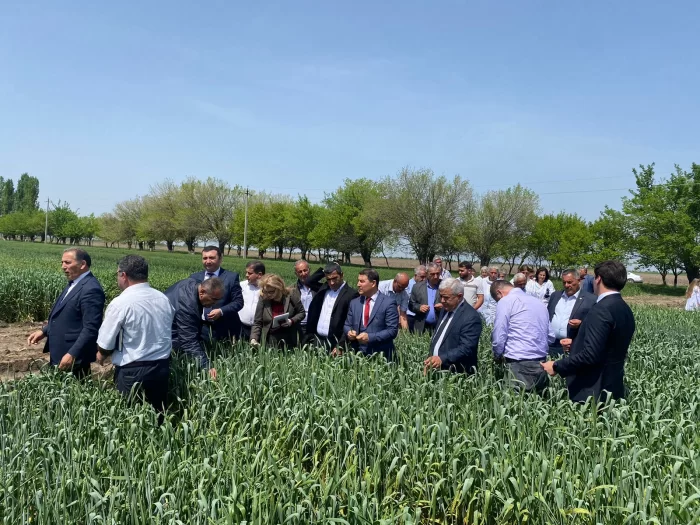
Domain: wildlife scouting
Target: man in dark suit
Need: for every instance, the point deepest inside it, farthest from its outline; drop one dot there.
(586, 280)
(596, 363)
(372, 323)
(189, 299)
(75, 319)
(328, 310)
(455, 343)
(424, 301)
(567, 310)
(221, 321)
(304, 290)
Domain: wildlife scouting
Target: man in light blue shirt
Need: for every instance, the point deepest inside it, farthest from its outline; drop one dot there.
(520, 336)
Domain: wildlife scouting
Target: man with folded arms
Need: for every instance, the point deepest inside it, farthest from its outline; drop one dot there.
(136, 332)
(520, 336)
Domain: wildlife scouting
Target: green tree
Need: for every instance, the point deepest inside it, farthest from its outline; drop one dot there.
(354, 220)
(7, 197)
(425, 210)
(611, 237)
(498, 221)
(27, 194)
(303, 218)
(160, 214)
(563, 240)
(63, 223)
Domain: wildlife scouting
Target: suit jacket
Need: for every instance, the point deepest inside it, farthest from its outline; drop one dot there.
(338, 315)
(187, 324)
(596, 361)
(313, 281)
(232, 301)
(261, 330)
(74, 323)
(383, 326)
(583, 305)
(419, 296)
(459, 349)
(587, 284)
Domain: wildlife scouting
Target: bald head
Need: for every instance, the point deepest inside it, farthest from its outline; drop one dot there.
(400, 282)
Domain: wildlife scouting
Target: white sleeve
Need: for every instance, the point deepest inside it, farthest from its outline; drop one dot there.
(111, 326)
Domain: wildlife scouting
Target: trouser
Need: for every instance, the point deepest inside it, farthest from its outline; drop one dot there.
(411, 323)
(527, 375)
(245, 332)
(147, 378)
(430, 328)
(302, 334)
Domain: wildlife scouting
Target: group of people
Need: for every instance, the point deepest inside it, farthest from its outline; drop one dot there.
(531, 320)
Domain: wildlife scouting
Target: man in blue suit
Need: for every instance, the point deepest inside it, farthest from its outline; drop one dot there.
(221, 321)
(75, 319)
(373, 318)
(455, 343)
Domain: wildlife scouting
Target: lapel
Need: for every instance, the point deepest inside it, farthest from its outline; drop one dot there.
(379, 300)
(73, 295)
(578, 302)
(341, 293)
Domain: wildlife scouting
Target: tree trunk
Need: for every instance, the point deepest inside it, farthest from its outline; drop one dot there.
(222, 246)
(169, 244)
(663, 277)
(675, 279)
(140, 245)
(190, 244)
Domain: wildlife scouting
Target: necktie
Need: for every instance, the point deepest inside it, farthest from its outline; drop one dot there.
(441, 328)
(209, 275)
(366, 313)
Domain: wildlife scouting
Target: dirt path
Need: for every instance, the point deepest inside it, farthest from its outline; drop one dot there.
(18, 358)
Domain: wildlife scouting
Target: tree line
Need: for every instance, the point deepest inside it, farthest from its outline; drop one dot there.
(658, 225)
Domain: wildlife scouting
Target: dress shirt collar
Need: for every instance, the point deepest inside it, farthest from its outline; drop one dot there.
(575, 296)
(213, 274)
(373, 298)
(136, 287)
(80, 278)
(336, 292)
(604, 295)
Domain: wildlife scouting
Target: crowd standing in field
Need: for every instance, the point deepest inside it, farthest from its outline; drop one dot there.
(588, 336)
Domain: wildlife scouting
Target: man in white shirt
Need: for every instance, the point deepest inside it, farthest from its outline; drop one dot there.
(483, 275)
(136, 332)
(254, 270)
(471, 287)
(304, 290)
(488, 306)
(397, 289)
(567, 310)
(419, 275)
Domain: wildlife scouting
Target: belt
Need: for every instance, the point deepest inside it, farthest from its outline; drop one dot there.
(509, 360)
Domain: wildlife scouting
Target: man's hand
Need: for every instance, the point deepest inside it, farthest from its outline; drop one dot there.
(286, 324)
(67, 362)
(574, 323)
(35, 337)
(362, 338)
(566, 344)
(253, 342)
(336, 353)
(215, 314)
(212, 373)
(352, 335)
(101, 357)
(438, 306)
(432, 362)
(549, 367)
(424, 308)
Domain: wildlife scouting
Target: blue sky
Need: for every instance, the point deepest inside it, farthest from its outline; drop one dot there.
(101, 100)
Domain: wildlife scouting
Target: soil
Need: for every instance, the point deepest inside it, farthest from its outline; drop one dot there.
(18, 358)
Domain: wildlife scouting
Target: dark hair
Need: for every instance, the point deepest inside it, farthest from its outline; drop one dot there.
(332, 267)
(371, 274)
(134, 266)
(80, 255)
(212, 285)
(612, 273)
(465, 264)
(212, 248)
(546, 273)
(498, 285)
(257, 267)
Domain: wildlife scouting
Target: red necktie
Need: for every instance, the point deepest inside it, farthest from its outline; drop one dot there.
(366, 316)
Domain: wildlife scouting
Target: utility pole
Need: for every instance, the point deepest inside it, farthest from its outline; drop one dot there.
(245, 226)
